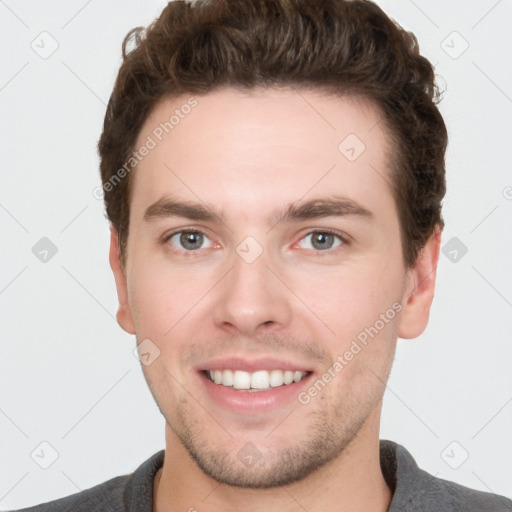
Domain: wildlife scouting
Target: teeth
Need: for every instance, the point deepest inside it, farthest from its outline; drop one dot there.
(227, 378)
(276, 378)
(297, 376)
(241, 380)
(288, 377)
(261, 379)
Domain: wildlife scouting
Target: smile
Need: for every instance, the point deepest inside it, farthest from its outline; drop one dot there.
(260, 380)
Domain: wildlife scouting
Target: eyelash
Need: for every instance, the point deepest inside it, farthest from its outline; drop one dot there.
(343, 239)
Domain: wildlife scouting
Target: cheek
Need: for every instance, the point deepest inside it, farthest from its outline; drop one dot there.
(362, 310)
(351, 299)
(164, 297)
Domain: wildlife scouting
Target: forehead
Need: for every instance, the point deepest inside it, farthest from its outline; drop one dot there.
(242, 149)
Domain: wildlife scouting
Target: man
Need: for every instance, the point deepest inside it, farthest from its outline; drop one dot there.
(273, 174)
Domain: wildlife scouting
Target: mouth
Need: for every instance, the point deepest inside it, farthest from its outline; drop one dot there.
(252, 392)
(258, 381)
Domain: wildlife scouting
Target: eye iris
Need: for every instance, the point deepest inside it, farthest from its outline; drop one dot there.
(191, 240)
(322, 240)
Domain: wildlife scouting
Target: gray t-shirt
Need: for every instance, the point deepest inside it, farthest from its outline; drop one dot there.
(414, 490)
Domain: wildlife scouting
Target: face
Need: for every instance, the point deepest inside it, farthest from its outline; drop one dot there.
(265, 247)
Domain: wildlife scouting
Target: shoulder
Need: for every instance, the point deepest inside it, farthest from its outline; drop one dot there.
(132, 492)
(461, 498)
(416, 490)
(107, 496)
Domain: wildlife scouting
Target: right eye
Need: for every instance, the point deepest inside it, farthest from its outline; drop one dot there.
(189, 240)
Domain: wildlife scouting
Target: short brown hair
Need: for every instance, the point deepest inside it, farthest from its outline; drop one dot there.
(344, 47)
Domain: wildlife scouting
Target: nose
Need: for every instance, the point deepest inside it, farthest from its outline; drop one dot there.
(251, 299)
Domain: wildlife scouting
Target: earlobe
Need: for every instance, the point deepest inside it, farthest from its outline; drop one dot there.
(419, 292)
(124, 314)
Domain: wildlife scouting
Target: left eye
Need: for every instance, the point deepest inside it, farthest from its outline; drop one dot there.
(321, 241)
(189, 240)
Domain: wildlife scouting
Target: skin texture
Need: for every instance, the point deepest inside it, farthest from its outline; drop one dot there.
(248, 156)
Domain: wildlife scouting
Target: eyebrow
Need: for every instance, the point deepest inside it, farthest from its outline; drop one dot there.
(168, 207)
(315, 208)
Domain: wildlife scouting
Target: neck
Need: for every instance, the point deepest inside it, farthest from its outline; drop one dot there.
(353, 481)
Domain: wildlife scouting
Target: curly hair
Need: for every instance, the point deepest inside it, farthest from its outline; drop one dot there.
(345, 47)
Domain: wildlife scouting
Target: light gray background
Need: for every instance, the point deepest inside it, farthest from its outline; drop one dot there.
(68, 374)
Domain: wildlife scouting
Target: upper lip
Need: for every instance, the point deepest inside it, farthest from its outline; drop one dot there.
(252, 365)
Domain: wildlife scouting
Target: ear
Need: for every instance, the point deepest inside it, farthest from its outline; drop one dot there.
(124, 313)
(419, 289)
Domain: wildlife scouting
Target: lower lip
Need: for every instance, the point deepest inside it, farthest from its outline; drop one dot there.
(255, 402)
